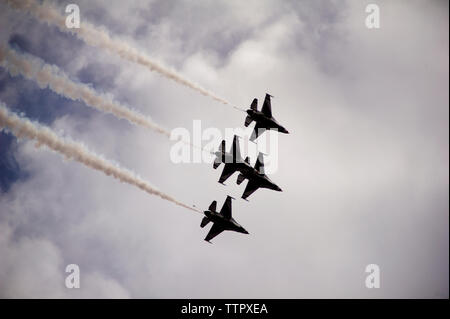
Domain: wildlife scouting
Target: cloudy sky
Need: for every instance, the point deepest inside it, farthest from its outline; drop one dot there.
(364, 171)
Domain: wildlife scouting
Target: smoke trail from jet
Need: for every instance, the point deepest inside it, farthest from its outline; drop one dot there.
(24, 128)
(101, 38)
(51, 76)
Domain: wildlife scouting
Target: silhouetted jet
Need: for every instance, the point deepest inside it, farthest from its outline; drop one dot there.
(234, 162)
(264, 119)
(222, 156)
(233, 157)
(256, 179)
(221, 221)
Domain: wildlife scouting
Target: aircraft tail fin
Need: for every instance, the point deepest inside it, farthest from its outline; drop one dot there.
(254, 105)
(222, 147)
(237, 158)
(220, 155)
(205, 222)
(213, 206)
(247, 160)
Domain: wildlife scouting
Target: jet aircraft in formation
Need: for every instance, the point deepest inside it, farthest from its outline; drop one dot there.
(264, 119)
(221, 221)
(233, 162)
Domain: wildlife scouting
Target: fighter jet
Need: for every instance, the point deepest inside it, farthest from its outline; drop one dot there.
(256, 179)
(221, 221)
(234, 162)
(263, 119)
(222, 156)
(232, 159)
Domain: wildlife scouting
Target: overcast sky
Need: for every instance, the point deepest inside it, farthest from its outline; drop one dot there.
(364, 170)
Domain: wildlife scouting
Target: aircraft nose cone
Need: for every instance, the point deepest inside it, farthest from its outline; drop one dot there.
(278, 189)
(244, 231)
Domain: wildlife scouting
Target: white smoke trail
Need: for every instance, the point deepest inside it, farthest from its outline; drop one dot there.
(51, 76)
(24, 128)
(100, 38)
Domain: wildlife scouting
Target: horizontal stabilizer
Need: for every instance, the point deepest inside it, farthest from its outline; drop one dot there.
(205, 222)
(240, 179)
(248, 120)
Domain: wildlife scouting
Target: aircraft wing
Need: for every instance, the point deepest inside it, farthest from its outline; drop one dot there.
(259, 166)
(258, 130)
(214, 231)
(226, 208)
(228, 170)
(250, 189)
(267, 108)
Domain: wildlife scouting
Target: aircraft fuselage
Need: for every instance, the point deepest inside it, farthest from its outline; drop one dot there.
(250, 173)
(261, 179)
(227, 224)
(266, 122)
